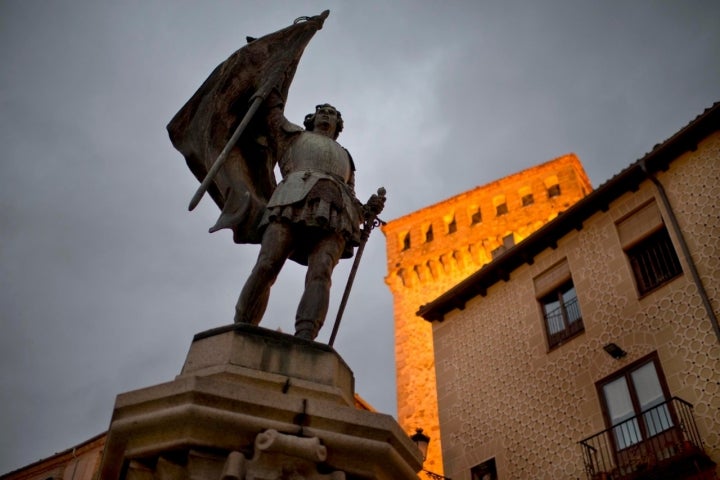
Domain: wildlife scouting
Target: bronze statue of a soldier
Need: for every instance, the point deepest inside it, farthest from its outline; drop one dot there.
(312, 216)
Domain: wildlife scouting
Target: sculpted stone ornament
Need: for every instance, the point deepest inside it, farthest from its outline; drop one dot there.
(280, 457)
(233, 133)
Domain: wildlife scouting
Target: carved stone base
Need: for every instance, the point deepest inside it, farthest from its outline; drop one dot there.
(251, 403)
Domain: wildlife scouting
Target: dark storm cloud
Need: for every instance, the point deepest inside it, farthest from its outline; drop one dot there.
(106, 276)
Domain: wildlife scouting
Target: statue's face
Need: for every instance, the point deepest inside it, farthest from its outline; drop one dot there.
(326, 119)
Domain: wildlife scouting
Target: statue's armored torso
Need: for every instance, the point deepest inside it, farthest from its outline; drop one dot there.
(317, 152)
(311, 157)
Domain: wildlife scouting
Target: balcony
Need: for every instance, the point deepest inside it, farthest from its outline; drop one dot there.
(662, 442)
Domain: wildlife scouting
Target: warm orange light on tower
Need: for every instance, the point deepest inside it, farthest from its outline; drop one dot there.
(431, 250)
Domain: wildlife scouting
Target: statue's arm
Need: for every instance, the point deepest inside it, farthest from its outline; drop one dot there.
(280, 128)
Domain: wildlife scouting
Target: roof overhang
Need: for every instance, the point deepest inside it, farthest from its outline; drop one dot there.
(628, 180)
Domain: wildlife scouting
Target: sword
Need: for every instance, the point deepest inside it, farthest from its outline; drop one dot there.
(375, 206)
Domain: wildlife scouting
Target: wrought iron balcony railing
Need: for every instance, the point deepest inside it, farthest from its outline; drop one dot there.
(564, 321)
(662, 442)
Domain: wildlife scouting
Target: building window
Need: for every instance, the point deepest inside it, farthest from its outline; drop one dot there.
(654, 261)
(500, 204)
(634, 402)
(484, 471)
(526, 196)
(648, 247)
(552, 185)
(452, 226)
(406, 241)
(558, 302)
(429, 234)
(562, 314)
(508, 242)
(476, 216)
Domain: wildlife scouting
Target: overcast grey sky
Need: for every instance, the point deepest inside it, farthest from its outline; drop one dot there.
(104, 274)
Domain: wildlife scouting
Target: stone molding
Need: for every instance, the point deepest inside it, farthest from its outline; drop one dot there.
(285, 405)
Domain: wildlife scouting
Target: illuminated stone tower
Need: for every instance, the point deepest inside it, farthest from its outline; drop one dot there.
(432, 249)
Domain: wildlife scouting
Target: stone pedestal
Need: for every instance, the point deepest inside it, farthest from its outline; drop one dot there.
(251, 403)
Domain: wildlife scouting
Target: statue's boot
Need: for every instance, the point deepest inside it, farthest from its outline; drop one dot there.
(305, 330)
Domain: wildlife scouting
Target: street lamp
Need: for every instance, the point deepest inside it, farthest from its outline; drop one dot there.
(422, 441)
(614, 351)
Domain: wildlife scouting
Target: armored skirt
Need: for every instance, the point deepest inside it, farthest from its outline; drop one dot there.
(326, 208)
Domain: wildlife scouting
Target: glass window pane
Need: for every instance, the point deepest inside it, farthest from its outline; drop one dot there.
(569, 293)
(553, 315)
(650, 394)
(647, 386)
(551, 306)
(561, 310)
(620, 409)
(617, 398)
(571, 304)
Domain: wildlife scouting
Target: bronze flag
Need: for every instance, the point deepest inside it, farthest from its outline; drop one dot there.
(205, 124)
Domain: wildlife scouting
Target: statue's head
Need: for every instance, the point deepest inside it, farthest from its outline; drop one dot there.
(326, 118)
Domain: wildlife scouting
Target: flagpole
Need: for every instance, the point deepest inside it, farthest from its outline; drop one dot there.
(274, 79)
(220, 161)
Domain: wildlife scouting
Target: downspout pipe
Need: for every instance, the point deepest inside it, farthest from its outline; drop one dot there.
(685, 250)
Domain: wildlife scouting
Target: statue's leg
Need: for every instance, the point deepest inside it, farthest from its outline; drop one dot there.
(275, 248)
(315, 299)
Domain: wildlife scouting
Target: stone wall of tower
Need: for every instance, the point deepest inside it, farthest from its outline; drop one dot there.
(431, 250)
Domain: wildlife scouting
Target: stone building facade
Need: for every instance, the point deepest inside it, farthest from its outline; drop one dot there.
(592, 349)
(431, 250)
(80, 462)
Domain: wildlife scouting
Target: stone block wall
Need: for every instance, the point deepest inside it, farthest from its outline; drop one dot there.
(81, 462)
(504, 394)
(431, 250)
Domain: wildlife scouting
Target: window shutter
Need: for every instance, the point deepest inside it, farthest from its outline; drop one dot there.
(551, 278)
(639, 225)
